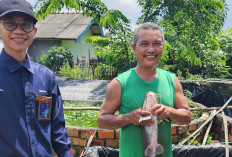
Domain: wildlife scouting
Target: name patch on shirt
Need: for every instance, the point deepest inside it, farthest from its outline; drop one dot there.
(44, 107)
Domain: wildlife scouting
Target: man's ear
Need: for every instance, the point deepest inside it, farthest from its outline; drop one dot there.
(35, 29)
(134, 47)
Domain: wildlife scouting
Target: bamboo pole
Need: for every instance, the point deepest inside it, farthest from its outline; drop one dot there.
(209, 108)
(226, 135)
(208, 129)
(82, 108)
(98, 108)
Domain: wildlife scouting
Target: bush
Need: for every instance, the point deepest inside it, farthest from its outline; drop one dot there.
(77, 72)
(56, 57)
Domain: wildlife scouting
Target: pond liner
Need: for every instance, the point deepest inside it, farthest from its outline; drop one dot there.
(213, 150)
(102, 151)
(208, 97)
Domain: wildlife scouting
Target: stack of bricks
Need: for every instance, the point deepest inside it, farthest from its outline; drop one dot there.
(219, 130)
(79, 135)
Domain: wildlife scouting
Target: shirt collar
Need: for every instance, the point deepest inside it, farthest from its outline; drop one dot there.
(13, 64)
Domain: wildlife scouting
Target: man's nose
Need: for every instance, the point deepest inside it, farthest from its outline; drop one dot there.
(19, 28)
(151, 48)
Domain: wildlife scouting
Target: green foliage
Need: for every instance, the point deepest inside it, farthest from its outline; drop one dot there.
(192, 141)
(82, 118)
(194, 114)
(78, 73)
(56, 57)
(104, 72)
(195, 142)
(225, 42)
(43, 60)
(190, 28)
(92, 8)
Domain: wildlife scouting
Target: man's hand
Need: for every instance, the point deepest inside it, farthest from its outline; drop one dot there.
(135, 116)
(161, 111)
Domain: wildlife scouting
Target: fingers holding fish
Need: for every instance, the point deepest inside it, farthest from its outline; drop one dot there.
(161, 111)
(136, 114)
(148, 122)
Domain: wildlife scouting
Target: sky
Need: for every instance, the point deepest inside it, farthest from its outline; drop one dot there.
(132, 11)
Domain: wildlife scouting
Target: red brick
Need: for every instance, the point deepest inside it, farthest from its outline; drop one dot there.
(72, 132)
(230, 138)
(192, 127)
(73, 152)
(106, 134)
(80, 151)
(173, 131)
(182, 129)
(117, 134)
(87, 133)
(223, 128)
(97, 142)
(78, 142)
(112, 143)
(175, 139)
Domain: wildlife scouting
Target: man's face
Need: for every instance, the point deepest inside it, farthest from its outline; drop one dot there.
(16, 41)
(149, 47)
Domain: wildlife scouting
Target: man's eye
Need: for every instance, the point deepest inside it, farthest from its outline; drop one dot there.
(157, 44)
(10, 23)
(143, 44)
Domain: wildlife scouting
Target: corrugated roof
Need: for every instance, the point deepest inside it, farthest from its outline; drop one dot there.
(65, 26)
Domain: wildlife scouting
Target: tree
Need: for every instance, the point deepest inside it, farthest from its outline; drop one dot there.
(190, 28)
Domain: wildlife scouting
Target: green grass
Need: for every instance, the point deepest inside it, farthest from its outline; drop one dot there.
(81, 118)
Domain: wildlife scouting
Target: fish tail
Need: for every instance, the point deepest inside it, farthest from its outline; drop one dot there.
(151, 151)
(159, 149)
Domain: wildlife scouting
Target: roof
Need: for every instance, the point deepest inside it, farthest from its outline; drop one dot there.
(66, 26)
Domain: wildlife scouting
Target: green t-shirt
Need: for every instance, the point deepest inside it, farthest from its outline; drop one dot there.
(133, 91)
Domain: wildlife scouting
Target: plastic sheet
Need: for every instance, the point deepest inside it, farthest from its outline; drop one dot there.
(208, 97)
(102, 151)
(213, 150)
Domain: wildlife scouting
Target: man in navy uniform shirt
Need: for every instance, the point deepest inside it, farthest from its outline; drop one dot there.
(27, 90)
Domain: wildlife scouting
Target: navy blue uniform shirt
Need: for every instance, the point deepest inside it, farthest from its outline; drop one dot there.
(21, 134)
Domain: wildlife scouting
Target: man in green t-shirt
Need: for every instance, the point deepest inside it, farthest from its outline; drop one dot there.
(126, 93)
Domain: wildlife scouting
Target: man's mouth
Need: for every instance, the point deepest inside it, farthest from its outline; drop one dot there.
(153, 56)
(19, 39)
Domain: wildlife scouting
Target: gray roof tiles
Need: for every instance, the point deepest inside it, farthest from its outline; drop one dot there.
(64, 26)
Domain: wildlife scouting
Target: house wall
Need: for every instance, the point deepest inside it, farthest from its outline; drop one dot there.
(40, 47)
(80, 50)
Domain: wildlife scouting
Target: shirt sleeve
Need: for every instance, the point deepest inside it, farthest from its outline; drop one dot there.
(60, 142)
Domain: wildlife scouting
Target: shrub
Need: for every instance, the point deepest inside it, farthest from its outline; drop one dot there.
(56, 57)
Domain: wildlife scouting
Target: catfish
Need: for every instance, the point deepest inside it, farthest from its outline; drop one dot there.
(150, 133)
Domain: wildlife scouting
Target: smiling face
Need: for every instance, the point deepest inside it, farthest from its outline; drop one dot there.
(17, 41)
(149, 48)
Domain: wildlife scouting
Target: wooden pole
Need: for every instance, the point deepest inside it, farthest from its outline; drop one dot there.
(98, 108)
(226, 135)
(208, 129)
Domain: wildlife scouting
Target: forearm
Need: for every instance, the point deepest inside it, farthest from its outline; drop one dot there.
(109, 121)
(180, 116)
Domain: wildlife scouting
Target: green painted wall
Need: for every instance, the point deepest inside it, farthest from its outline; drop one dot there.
(80, 49)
